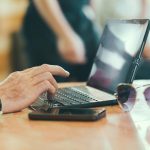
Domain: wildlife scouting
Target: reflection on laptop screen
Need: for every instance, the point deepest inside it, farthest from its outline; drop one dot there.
(120, 43)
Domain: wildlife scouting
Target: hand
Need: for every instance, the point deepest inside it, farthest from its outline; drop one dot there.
(20, 89)
(72, 49)
(146, 52)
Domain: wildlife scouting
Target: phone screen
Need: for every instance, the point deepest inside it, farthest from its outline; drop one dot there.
(78, 114)
(74, 111)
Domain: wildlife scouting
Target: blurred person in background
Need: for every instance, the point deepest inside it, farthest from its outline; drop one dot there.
(62, 32)
(127, 9)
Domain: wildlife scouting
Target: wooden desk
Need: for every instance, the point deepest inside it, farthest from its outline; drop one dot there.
(118, 131)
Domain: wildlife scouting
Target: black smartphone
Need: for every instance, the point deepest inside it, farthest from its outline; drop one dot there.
(72, 114)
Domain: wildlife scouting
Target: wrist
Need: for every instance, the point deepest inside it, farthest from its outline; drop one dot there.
(66, 35)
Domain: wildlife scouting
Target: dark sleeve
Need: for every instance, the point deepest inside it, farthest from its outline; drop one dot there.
(144, 70)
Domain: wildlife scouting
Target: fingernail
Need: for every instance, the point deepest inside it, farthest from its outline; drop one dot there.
(68, 73)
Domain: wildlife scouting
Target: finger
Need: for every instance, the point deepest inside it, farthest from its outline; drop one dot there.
(45, 76)
(27, 70)
(53, 69)
(43, 87)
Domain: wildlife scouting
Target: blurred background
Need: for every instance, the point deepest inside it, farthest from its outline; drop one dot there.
(13, 54)
(11, 16)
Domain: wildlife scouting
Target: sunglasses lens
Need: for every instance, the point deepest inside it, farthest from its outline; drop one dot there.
(126, 96)
(147, 95)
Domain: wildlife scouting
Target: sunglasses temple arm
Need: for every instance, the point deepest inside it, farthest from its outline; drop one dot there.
(142, 86)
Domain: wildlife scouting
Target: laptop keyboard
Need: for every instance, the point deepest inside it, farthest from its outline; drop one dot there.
(71, 96)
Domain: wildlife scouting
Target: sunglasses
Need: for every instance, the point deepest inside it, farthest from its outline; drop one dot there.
(126, 95)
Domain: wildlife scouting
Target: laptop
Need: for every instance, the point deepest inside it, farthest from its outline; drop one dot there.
(116, 61)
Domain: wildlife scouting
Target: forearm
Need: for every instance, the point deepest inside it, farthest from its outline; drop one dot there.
(53, 15)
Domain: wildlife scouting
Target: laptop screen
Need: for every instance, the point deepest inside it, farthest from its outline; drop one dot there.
(120, 44)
